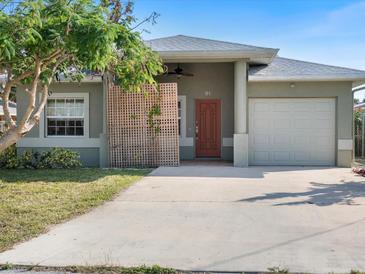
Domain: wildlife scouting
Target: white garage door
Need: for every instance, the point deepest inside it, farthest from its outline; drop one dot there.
(292, 131)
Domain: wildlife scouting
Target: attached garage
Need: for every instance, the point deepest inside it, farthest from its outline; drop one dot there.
(292, 131)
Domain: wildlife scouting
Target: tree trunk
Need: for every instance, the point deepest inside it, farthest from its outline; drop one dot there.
(9, 138)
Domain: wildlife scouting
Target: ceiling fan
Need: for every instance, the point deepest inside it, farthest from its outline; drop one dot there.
(178, 71)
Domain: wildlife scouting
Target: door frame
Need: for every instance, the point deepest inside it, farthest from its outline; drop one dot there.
(219, 125)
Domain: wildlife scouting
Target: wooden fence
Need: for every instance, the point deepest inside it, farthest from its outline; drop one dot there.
(138, 135)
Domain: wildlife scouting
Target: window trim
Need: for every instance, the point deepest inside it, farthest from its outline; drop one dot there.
(183, 139)
(67, 95)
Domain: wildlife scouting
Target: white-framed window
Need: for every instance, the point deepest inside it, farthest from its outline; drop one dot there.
(66, 115)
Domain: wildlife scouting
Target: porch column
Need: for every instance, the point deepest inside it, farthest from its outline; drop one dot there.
(240, 137)
(104, 147)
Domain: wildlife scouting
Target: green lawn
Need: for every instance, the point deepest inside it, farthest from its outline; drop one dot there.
(32, 200)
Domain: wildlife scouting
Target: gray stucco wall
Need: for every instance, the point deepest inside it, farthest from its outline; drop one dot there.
(342, 91)
(215, 78)
(89, 155)
(95, 104)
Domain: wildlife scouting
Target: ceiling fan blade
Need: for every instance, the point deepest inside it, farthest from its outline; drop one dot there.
(172, 73)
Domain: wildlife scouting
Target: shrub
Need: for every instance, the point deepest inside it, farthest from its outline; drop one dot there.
(29, 159)
(54, 158)
(8, 158)
(59, 158)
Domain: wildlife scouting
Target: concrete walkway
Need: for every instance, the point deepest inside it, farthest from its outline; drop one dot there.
(218, 218)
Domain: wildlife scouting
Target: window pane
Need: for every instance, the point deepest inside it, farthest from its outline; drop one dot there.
(51, 131)
(71, 123)
(61, 131)
(61, 123)
(79, 102)
(51, 122)
(51, 111)
(70, 131)
(79, 131)
(72, 112)
(79, 112)
(70, 102)
(79, 123)
(51, 103)
(60, 102)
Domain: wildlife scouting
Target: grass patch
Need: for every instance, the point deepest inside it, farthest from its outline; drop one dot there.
(32, 200)
(155, 269)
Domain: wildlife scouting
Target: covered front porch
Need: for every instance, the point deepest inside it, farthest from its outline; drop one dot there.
(212, 109)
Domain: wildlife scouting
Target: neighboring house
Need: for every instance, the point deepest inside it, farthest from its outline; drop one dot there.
(359, 107)
(12, 107)
(243, 103)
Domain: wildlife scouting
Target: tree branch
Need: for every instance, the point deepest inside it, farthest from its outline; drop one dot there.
(153, 16)
(37, 114)
(32, 96)
(50, 58)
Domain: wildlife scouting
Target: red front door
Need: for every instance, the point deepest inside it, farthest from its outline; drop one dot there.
(208, 128)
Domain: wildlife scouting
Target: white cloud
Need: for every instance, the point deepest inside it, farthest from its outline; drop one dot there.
(347, 21)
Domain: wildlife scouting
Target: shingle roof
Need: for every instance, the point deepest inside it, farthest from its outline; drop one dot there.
(290, 69)
(188, 43)
(187, 46)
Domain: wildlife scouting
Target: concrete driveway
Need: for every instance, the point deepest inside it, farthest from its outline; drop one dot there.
(218, 218)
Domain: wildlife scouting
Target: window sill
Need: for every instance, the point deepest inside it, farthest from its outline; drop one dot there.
(67, 142)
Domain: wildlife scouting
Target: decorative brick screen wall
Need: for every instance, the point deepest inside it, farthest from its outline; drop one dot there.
(132, 140)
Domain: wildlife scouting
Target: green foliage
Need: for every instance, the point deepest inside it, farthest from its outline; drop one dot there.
(54, 158)
(7, 266)
(357, 117)
(59, 158)
(353, 271)
(8, 158)
(75, 35)
(29, 159)
(278, 270)
(152, 122)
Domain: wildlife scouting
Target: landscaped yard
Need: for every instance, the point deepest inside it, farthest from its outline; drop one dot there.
(31, 200)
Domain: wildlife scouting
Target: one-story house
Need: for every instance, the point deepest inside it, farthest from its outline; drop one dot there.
(235, 102)
(359, 107)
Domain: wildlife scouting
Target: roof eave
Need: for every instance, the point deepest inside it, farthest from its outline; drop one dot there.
(264, 57)
(306, 78)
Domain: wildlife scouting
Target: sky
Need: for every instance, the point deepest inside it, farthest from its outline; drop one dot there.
(325, 31)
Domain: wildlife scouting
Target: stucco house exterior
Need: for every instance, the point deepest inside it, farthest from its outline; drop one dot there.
(236, 102)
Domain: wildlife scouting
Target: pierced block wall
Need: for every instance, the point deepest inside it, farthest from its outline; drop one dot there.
(133, 140)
